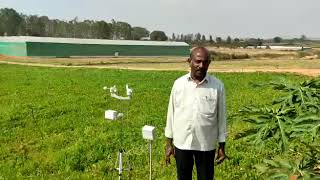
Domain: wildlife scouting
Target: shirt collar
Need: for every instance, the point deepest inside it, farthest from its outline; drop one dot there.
(205, 79)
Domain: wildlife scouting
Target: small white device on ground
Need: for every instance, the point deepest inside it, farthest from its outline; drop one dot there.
(112, 115)
(149, 133)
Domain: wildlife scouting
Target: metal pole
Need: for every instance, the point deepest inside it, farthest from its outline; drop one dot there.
(120, 164)
(150, 158)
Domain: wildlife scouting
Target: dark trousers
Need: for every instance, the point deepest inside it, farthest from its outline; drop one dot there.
(204, 161)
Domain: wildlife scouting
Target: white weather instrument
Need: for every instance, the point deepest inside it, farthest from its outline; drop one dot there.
(148, 132)
(114, 90)
(115, 115)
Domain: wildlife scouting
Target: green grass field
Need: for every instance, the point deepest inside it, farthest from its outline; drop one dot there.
(52, 123)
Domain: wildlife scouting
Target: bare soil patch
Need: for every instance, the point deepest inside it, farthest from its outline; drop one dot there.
(299, 66)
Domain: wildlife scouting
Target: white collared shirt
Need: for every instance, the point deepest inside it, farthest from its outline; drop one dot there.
(196, 118)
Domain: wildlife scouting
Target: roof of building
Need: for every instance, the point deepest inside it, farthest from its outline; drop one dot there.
(89, 41)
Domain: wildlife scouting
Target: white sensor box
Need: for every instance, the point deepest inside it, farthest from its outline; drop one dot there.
(149, 132)
(111, 114)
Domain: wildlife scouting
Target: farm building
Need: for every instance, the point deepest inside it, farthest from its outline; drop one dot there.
(66, 47)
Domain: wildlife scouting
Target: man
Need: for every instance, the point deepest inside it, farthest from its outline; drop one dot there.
(196, 119)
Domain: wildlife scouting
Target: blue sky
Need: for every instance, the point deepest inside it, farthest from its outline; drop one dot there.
(237, 18)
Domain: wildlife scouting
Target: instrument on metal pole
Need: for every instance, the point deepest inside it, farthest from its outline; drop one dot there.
(114, 115)
(149, 133)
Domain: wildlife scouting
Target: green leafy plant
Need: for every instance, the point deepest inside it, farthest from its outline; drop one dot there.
(267, 123)
(304, 165)
(278, 124)
(292, 120)
(303, 96)
(287, 169)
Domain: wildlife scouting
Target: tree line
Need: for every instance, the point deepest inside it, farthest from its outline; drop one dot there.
(201, 39)
(13, 23)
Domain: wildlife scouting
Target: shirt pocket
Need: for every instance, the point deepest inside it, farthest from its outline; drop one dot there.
(207, 105)
(207, 109)
(206, 120)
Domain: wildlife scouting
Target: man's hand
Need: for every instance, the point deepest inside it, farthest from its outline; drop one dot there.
(221, 153)
(169, 151)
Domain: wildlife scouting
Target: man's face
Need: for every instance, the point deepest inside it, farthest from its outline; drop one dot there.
(199, 64)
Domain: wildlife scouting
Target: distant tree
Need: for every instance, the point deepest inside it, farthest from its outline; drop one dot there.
(181, 37)
(236, 40)
(101, 30)
(254, 42)
(191, 37)
(121, 30)
(303, 38)
(260, 42)
(125, 30)
(158, 36)
(277, 39)
(188, 38)
(173, 38)
(177, 37)
(229, 40)
(198, 37)
(10, 22)
(185, 38)
(43, 22)
(210, 39)
(203, 38)
(73, 27)
(218, 39)
(83, 29)
(115, 30)
(64, 29)
(22, 30)
(34, 26)
(139, 32)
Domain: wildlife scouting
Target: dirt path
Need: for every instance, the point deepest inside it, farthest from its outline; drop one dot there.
(303, 71)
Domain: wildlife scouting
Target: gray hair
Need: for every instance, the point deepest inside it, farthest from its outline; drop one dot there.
(202, 49)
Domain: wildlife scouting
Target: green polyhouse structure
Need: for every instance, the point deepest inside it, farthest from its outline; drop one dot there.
(68, 47)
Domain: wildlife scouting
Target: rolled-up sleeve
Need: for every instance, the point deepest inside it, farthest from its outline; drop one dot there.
(170, 116)
(222, 115)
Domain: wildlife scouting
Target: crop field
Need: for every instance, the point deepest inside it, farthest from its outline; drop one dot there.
(53, 127)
